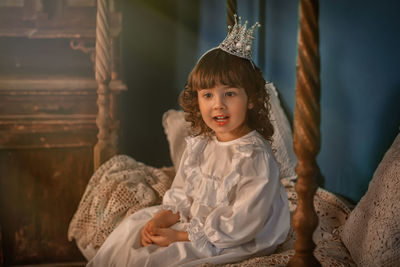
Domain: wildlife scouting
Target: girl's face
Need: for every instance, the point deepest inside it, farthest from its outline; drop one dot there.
(224, 109)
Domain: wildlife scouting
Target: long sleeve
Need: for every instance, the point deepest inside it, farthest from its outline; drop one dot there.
(175, 199)
(240, 221)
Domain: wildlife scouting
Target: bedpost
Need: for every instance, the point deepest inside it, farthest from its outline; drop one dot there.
(306, 136)
(104, 149)
(231, 10)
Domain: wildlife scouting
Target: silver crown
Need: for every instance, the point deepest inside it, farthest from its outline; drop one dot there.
(239, 40)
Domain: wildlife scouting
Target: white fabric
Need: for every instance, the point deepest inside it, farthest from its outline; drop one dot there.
(282, 140)
(176, 129)
(229, 215)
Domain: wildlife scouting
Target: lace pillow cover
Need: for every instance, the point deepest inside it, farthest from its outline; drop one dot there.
(372, 232)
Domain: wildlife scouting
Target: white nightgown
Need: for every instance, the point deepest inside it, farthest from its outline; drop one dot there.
(230, 202)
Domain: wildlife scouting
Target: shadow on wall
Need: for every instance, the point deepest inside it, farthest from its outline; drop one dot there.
(360, 91)
(389, 118)
(336, 155)
(355, 136)
(150, 55)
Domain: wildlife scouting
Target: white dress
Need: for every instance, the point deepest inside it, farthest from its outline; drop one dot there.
(230, 201)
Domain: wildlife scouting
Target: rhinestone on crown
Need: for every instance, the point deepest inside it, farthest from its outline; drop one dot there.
(239, 40)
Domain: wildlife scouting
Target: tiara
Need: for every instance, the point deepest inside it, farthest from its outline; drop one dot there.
(239, 40)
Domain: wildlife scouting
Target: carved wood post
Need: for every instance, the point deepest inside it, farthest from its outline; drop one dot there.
(231, 10)
(1, 249)
(306, 137)
(262, 50)
(104, 149)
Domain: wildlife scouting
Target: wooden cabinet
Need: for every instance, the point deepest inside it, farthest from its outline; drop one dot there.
(48, 126)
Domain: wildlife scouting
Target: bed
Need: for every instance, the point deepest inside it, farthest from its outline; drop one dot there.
(326, 230)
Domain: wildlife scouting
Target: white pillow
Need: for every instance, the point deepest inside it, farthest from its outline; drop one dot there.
(282, 140)
(372, 231)
(176, 129)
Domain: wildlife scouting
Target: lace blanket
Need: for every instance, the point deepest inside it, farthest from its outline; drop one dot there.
(121, 186)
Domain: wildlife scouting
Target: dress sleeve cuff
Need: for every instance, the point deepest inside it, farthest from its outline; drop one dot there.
(199, 239)
(182, 212)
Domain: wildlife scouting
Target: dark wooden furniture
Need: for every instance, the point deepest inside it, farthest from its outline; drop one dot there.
(48, 111)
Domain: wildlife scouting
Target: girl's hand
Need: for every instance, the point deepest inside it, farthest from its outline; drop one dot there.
(148, 230)
(163, 219)
(166, 236)
(153, 224)
(145, 239)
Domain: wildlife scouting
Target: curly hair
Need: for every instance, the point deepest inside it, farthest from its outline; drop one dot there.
(219, 67)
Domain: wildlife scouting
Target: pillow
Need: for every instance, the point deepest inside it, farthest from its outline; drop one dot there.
(176, 129)
(282, 140)
(372, 231)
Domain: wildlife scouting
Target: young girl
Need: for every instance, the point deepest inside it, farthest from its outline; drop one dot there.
(226, 202)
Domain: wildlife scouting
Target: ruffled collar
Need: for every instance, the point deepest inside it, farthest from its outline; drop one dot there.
(237, 141)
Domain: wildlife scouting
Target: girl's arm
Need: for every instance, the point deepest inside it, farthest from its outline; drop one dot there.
(176, 199)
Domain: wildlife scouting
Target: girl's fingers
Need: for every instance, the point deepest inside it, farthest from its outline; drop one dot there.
(158, 231)
(155, 231)
(154, 240)
(145, 244)
(145, 238)
(157, 240)
(150, 228)
(147, 235)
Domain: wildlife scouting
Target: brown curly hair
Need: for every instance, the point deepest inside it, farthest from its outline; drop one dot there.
(219, 67)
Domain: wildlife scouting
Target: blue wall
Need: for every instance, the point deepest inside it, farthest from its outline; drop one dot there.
(361, 90)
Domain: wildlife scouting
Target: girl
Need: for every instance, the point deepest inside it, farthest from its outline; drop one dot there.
(226, 202)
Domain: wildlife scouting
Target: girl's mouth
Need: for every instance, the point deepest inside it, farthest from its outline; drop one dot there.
(221, 120)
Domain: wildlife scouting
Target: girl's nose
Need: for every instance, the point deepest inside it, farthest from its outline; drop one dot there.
(219, 103)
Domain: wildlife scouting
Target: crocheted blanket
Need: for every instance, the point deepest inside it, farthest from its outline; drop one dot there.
(121, 186)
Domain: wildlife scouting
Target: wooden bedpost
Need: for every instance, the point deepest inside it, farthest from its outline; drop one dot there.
(306, 139)
(104, 148)
(231, 10)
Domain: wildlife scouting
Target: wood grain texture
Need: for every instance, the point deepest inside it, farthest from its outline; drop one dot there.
(306, 135)
(231, 10)
(105, 147)
(40, 190)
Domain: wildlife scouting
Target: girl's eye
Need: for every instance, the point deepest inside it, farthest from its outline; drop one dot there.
(230, 93)
(207, 95)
